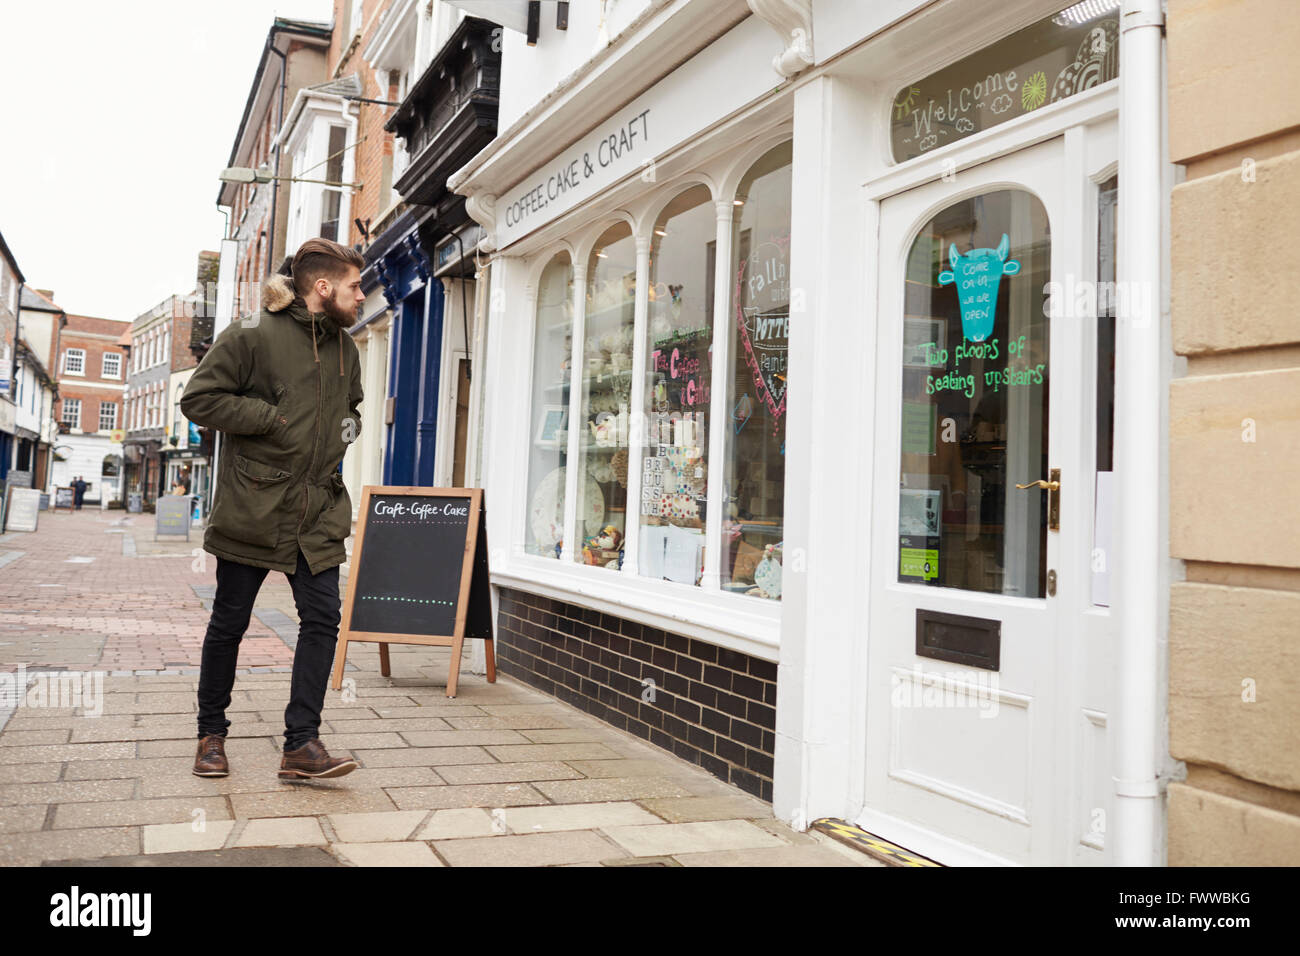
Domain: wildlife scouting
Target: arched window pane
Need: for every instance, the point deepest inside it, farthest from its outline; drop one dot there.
(974, 402)
(606, 391)
(754, 496)
(679, 359)
(553, 340)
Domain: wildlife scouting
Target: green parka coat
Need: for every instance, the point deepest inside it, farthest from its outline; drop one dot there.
(284, 388)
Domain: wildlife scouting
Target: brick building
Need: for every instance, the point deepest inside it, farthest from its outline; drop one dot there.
(90, 367)
(11, 283)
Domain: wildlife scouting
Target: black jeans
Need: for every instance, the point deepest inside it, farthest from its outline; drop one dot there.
(317, 599)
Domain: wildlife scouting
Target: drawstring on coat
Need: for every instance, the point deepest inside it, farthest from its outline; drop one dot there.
(314, 353)
(340, 332)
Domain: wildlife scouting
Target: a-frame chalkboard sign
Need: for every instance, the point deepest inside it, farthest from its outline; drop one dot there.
(419, 575)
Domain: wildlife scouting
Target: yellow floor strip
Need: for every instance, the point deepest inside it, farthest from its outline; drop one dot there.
(869, 843)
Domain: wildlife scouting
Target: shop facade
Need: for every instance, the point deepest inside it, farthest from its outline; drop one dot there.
(826, 428)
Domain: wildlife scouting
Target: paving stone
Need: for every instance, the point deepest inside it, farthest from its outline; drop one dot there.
(516, 722)
(459, 823)
(770, 856)
(243, 858)
(567, 735)
(182, 837)
(576, 816)
(612, 788)
(666, 839)
(422, 756)
(587, 751)
(355, 725)
(468, 795)
(620, 767)
(28, 849)
(694, 809)
(282, 831)
(64, 791)
(454, 738)
(534, 849)
(308, 799)
(23, 819)
(508, 772)
(127, 812)
(375, 827)
(52, 752)
(34, 772)
(13, 737)
(386, 854)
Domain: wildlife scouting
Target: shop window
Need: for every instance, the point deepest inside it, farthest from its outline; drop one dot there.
(975, 398)
(679, 355)
(754, 491)
(548, 453)
(606, 394)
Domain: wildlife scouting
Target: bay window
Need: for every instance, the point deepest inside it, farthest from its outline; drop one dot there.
(643, 402)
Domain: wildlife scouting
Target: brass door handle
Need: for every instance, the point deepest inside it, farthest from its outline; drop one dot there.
(1041, 483)
(1053, 488)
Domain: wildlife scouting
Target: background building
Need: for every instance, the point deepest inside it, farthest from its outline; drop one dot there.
(92, 369)
(11, 283)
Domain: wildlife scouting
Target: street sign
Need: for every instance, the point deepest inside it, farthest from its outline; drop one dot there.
(63, 498)
(419, 575)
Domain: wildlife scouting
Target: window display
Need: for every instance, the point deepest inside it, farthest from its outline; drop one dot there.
(553, 349)
(975, 398)
(754, 494)
(679, 360)
(606, 391)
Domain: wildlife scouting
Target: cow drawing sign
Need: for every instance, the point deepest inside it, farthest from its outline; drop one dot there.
(977, 276)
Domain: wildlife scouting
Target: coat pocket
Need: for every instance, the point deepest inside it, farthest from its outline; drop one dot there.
(251, 507)
(336, 519)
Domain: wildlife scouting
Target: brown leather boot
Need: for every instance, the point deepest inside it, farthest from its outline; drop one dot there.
(312, 760)
(210, 760)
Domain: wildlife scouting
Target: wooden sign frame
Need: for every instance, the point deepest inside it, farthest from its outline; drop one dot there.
(455, 640)
(54, 503)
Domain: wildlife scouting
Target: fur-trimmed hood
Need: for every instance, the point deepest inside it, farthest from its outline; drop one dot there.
(278, 292)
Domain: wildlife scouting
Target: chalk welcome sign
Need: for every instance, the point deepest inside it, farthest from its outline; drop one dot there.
(419, 575)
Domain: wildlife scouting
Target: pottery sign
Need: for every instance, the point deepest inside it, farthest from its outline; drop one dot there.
(763, 320)
(977, 275)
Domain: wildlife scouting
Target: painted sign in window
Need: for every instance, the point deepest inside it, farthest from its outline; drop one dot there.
(974, 409)
(1050, 60)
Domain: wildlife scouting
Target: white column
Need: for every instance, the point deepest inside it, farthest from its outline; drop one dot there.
(719, 376)
(636, 439)
(577, 425)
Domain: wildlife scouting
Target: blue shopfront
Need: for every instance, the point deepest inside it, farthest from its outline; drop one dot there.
(398, 264)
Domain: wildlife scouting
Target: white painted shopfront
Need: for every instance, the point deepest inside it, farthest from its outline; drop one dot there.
(915, 332)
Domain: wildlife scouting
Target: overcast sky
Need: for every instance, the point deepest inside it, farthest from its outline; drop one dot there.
(116, 120)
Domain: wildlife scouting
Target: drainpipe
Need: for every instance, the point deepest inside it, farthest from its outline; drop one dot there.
(1133, 837)
(275, 183)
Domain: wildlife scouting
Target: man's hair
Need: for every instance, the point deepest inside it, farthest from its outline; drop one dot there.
(320, 257)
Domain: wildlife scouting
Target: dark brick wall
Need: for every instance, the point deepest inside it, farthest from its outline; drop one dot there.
(712, 706)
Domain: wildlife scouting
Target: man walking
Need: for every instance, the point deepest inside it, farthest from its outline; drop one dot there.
(78, 492)
(284, 388)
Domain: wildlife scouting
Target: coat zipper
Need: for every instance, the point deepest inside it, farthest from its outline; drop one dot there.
(314, 440)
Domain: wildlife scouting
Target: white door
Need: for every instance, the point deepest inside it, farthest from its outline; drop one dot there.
(986, 698)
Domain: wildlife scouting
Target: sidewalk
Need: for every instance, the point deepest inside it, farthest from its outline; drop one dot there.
(501, 775)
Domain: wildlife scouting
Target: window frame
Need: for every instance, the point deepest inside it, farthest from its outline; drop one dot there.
(103, 365)
(67, 404)
(113, 424)
(67, 356)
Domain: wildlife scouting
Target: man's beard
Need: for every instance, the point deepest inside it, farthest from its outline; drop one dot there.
(343, 316)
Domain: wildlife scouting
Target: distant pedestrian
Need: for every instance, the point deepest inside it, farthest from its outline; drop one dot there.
(78, 492)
